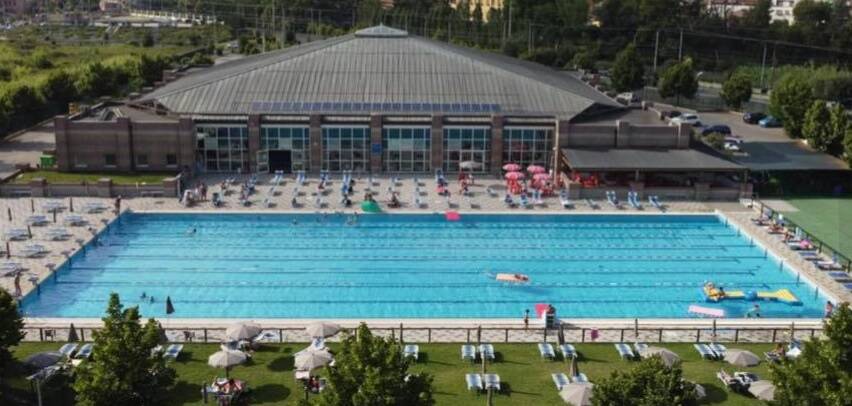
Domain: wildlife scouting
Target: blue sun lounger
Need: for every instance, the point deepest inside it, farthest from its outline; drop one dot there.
(411, 350)
(560, 380)
(486, 351)
(624, 351)
(474, 382)
(840, 276)
(173, 351)
(68, 349)
(580, 378)
(705, 351)
(85, 351)
(468, 351)
(719, 349)
(568, 351)
(639, 347)
(546, 351)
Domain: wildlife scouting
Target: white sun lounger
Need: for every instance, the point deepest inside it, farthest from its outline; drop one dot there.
(468, 352)
(74, 220)
(411, 350)
(68, 349)
(85, 351)
(566, 202)
(560, 380)
(828, 265)
(52, 205)
(655, 201)
(33, 250)
(36, 220)
(486, 351)
(624, 351)
(17, 234)
(491, 381)
(173, 351)
(474, 382)
(10, 268)
(56, 234)
(568, 351)
(490, 192)
(719, 349)
(546, 351)
(612, 199)
(580, 378)
(639, 347)
(705, 351)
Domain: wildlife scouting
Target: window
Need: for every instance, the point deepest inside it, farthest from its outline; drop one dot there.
(142, 160)
(406, 149)
(171, 160)
(462, 144)
(222, 148)
(288, 138)
(527, 146)
(109, 160)
(346, 148)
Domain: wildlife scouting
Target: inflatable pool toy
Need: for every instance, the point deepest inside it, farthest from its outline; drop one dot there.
(714, 294)
(452, 216)
(512, 277)
(370, 207)
(706, 311)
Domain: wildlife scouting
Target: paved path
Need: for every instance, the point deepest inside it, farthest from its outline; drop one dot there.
(25, 148)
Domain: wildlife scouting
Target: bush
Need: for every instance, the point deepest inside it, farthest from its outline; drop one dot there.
(789, 102)
(628, 73)
(679, 80)
(11, 326)
(650, 382)
(715, 140)
(736, 90)
(817, 126)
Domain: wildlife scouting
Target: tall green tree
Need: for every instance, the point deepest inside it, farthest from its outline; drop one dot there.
(650, 382)
(812, 18)
(11, 327)
(736, 90)
(573, 13)
(847, 146)
(817, 126)
(122, 370)
(370, 371)
(790, 99)
(628, 72)
(679, 80)
(839, 127)
(58, 88)
(759, 16)
(822, 374)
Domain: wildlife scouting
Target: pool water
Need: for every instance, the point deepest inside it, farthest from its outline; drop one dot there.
(415, 266)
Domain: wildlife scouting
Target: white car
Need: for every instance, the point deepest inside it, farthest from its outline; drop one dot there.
(688, 118)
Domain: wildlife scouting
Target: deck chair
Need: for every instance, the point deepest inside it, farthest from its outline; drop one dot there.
(719, 349)
(546, 351)
(560, 380)
(411, 350)
(624, 351)
(568, 351)
(173, 351)
(486, 351)
(491, 381)
(639, 347)
(580, 378)
(474, 382)
(705, 351)
(468, 351)
(85, 351)
(68, 349)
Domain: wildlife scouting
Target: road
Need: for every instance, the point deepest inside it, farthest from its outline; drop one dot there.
(25, 148)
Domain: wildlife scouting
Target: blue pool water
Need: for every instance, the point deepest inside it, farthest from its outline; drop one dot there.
(415, 266)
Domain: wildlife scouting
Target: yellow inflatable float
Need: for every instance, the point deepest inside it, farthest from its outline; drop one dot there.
(714, 294)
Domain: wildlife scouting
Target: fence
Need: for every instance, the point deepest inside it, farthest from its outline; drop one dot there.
(821, 246)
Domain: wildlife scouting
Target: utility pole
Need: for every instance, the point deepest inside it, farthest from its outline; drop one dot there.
(763, 68)
(680, 47)
(529, 37)
(656, 49)
(510, 20)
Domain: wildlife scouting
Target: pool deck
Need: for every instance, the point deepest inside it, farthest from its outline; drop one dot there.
(479, 202)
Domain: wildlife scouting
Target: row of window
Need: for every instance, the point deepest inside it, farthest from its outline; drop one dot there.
(141, 161)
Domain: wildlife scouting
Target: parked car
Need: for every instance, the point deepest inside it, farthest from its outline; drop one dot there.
(629, 99)
(753, 117)
(770, 122)
(718, 128)
(688, 118)
(670, 113)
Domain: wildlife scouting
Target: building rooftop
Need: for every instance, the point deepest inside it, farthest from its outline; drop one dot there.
(646, 159)
(380, 70)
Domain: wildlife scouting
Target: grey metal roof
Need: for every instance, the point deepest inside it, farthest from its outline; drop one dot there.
(645, 159)
(380, 70)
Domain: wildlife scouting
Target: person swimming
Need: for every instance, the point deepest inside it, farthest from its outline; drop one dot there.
(191, 231)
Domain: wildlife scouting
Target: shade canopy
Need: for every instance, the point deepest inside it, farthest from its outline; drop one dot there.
(763, 390)
(308, 360)
(536, 169)
(741, 358)
(242, 331)
(588, 159)
(44, 359)
(667, 356)
(322, 329)
(226, 359)
(514, 176)
(511, 167)
(577, 394)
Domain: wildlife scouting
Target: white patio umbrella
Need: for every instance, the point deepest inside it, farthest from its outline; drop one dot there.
(322, 329)
(741, 358)
(763, 390)
(700, 392)
(226, 359)
(242, 331)
(308, 360)
(577, 394)
(667, 356)
(470, 165)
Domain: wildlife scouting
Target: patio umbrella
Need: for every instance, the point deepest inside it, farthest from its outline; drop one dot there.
(470, 165)
(573, 368)
(763, 390)
(514, 176)
(577, 394)
(242, 331)
(44, 359)
(72, 334)
(668, 357)
(309, 360)
(700, 392)
(170, 308)
(536, 169)
(511, 167)
(541, 176)
(226, 359)
(741, 358)
(322, 329)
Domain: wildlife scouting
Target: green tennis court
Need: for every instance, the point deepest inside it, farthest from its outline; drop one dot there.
(829, 219)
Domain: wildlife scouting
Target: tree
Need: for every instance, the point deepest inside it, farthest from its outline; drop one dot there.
(58, 88)
(736, 90)
(11, 327)
(573, 13)
(94, 80)
(148, 39)
(679, 80)
(370, 370)
(847, 146)
(22, 103)
(759, 16)
(839, 128)
(650, 382)
(789, 100)
(822, 374)
(812, 18)
(122, 370)
(628, 73)
(817, 126)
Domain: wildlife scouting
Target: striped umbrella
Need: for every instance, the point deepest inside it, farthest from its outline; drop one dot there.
(515, 176)
(536, 169)
(511, 167)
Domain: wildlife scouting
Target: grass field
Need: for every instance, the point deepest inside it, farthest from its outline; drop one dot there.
(829, 219)
(78, 178)
(525, 376)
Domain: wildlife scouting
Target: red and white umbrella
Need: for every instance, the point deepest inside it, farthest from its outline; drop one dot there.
(515, 176)
(536, 169)
(511, 167)
(541, 177)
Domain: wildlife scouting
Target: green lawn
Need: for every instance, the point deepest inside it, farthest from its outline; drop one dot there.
(77, 178)
(829, 219)
(525, 376)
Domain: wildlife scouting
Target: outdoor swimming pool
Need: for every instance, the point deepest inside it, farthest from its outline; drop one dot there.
(415, 266)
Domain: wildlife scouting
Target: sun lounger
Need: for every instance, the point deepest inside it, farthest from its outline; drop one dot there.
(729, 381)
(57, 234)
(719, 349)
(68, 349)
(509, 201)
(655, 201)
(580, 378)
(560, 380)
(474, 382)
(52, 205)
(772, 356)
(490, 192)
(411, 350)
(633, 199)
(840, 276)
(10, 269)
(639, 347)
(810, 255)
(173, 351)
(612, 199)
(33, 250)
(568, 351)
(525, 203)
(491, 381)
(36, 220)
(17, 234)
(85, 351)
(566, 202)
(486, 351)
(705, 351)
(624, 351)
(828, 265)
(546, 351)
(468, 352)
(94, 207)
